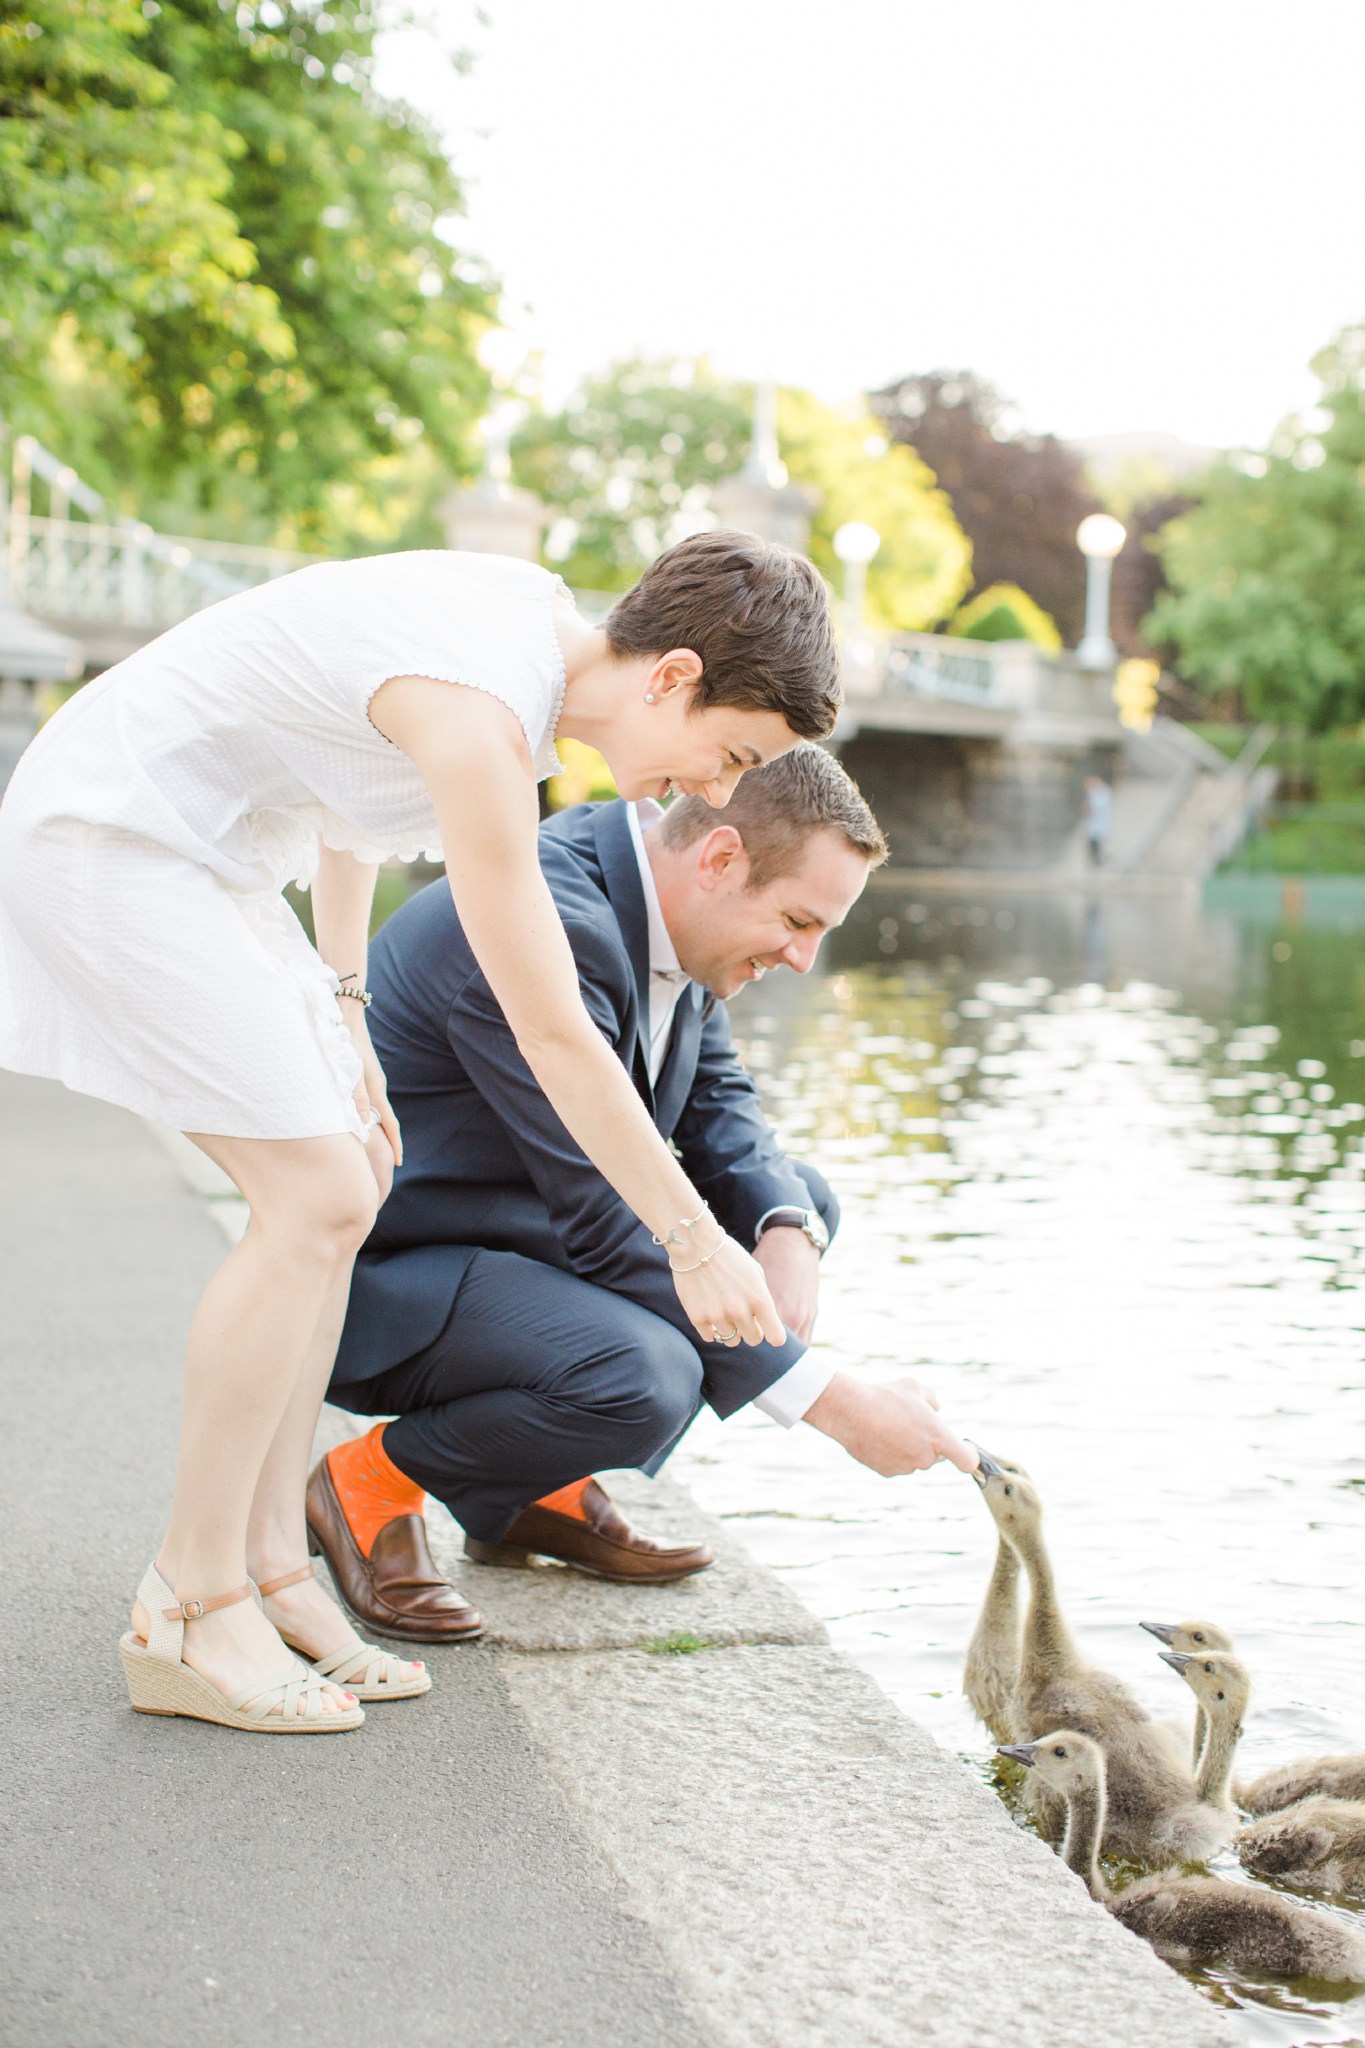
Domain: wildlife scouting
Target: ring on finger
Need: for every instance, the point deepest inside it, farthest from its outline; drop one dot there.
(729, 1336)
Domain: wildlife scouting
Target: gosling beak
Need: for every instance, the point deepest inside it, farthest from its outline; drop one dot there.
(1177, 1659)
(1022, 1752)
(987, 1469)
(1164, 1631)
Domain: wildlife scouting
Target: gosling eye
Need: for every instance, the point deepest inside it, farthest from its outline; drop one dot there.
(1199, 1636)
(1222, 1695)
(1209, 1671)
(1059, 1751)
(1008, 1491)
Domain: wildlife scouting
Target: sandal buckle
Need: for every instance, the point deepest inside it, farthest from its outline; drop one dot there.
(192, 1610)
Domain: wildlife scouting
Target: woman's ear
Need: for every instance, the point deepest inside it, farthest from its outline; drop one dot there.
(679, 669)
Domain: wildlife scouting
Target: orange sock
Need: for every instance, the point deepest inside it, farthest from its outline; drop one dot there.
(568, 1500)
(370, 1487)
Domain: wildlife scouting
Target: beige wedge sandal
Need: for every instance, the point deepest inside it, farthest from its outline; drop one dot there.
(363, 1668)
(161, 1682)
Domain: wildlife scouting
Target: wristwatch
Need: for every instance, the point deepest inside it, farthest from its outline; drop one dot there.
(808, 1220)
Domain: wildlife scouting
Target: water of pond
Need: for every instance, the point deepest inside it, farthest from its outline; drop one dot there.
(1102, 1168)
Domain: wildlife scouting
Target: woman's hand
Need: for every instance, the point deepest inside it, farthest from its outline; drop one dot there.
(372, 1092)
(727, 1300)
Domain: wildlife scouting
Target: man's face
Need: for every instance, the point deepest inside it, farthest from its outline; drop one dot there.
(727, 934)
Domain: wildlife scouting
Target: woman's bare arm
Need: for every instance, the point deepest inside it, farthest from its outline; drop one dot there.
(343, 897)
(474, 760)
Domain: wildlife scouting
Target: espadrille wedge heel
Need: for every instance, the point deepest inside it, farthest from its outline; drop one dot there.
(161, 1682)
(363, 1668)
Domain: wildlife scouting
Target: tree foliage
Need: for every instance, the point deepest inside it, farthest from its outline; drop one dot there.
(223, 252)
(923, 565)
(1019, 498)
(628, 464)
(1268, 573)
(1005, 612)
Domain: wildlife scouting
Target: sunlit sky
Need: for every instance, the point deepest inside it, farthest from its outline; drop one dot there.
(1126, 217)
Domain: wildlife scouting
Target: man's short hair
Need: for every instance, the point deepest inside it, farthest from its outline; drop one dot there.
(757, 616)
(776, 808)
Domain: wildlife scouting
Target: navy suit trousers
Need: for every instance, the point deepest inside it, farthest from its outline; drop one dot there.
(536, 1379)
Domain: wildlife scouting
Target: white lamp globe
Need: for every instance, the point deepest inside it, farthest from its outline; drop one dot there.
(1099, 536)
(855, 542)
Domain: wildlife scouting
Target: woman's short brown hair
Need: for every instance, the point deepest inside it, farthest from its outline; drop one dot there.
(776, 808)
(755, 614)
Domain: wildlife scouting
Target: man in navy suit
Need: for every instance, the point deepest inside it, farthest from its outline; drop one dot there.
(509, 1309)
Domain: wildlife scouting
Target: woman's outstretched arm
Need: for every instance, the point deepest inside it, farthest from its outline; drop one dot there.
(475, 761)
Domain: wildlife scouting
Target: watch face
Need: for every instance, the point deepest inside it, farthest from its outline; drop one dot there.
(816, 1231)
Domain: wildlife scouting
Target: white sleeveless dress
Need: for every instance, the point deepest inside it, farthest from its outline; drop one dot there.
(147, 955)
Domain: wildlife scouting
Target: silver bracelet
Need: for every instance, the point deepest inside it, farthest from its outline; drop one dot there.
(693, 1269)
(357, 994)
(689, 1224)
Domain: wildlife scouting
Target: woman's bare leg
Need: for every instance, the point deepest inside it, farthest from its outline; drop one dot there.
(277, 1535)
(312, 1203)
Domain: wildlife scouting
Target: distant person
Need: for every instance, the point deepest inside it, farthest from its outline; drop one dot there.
(1099, 817)
(312, 727)
(508, 1308)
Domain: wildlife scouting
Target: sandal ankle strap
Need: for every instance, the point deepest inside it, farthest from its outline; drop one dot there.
(191, 1610)
(265, 1587)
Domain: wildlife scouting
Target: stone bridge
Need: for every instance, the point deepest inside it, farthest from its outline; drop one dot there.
(972, 753)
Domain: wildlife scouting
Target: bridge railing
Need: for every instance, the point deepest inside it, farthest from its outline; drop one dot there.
(75, 562)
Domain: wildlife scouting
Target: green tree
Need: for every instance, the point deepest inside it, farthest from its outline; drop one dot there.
(1005, 612)
(227, 272)
(1268, 572)
(630, 462)
(923, 565)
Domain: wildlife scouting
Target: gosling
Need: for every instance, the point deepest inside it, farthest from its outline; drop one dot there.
(1337, 1777)
(1318, 1845)
(1193, 1636)
(1153, 1807)
(990, 1671)
(1222, 1688)
(1202, 1920)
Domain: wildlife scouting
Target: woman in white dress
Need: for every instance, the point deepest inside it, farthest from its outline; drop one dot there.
(304, 731)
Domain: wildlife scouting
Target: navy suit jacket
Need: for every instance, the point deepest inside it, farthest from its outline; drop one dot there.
(488, 1164)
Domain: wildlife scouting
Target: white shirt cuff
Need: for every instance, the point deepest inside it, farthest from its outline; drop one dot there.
(788, 1399)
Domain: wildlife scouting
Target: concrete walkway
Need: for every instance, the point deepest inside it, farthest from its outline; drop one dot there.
(630, 1817)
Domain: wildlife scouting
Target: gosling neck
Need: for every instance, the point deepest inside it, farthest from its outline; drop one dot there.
(1000, 1609)
(1048, 1646)
(1215, 1763)
(1084, 1830)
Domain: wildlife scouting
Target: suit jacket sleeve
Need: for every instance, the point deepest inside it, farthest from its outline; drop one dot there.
(603, 1241)
(726, 1144)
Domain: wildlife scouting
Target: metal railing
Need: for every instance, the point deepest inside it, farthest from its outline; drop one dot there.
(76, 562)
(930, 665)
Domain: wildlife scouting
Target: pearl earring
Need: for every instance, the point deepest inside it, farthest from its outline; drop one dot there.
(649, 696)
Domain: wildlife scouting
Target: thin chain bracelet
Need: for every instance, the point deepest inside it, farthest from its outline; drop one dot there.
(691, 1269)
(689, 1224)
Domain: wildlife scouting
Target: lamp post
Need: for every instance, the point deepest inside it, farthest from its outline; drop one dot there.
(1099, 539)
(855, 543)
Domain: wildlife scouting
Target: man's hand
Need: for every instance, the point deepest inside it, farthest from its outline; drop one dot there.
(791, 1267)
(890, 1429)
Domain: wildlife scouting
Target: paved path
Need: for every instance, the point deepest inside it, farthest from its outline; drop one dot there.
(582, 1838)
(167, 1884)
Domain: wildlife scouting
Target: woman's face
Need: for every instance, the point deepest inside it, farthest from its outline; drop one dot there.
(662, 743)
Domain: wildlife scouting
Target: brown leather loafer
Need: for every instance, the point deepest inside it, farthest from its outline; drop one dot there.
(604, 1545)
(397, 1588)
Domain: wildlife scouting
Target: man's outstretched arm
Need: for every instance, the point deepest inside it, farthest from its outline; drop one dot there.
(891, 1429)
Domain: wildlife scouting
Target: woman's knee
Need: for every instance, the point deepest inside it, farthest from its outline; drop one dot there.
(326, 1212)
